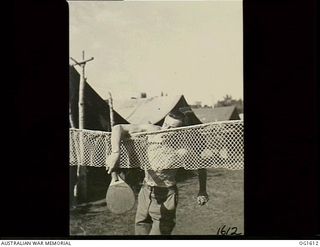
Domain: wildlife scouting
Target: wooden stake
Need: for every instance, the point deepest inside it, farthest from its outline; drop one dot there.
(110, 101)
(81, 171)
(72, 125)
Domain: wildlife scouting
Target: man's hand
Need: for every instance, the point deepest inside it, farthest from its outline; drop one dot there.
(112, 161)
(202, 198)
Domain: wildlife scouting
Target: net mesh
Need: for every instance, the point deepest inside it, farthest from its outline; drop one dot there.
(212, 145)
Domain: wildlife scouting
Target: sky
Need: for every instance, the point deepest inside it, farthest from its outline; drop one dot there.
(194, 48)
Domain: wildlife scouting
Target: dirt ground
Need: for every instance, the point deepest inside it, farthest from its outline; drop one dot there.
(225, 208)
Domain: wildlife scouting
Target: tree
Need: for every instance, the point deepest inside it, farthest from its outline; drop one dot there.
(229, 101)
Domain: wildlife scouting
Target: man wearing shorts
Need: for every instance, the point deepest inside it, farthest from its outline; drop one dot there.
(158, 197)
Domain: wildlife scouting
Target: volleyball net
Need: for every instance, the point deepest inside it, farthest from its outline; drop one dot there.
(211, 145)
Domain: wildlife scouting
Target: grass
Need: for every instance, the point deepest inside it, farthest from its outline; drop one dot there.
(225, 207)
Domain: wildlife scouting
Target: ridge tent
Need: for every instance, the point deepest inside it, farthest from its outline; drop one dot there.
(154, 110)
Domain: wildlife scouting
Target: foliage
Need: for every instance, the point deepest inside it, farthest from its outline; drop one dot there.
(229, 101)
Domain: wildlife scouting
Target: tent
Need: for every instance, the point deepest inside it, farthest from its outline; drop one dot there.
(225, 113)
(154, 110)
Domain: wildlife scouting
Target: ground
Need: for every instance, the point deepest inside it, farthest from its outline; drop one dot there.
(225, 208)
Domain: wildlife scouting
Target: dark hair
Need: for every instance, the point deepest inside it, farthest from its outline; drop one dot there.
(177, 114)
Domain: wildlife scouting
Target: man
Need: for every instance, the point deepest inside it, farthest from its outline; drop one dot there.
(158, 197)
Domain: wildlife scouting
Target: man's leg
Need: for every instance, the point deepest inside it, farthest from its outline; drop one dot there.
(163, 212)
(143, 220)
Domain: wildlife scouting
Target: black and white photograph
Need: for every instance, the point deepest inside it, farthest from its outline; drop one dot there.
(156, 118)
(126, 119)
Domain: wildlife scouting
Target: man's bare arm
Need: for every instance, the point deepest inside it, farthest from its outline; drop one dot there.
(202, 196)
(119, 132)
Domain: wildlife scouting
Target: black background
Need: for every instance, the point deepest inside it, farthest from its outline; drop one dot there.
(280, 99)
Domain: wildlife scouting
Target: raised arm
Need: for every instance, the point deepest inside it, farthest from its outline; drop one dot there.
(203, 197)
(118, 133)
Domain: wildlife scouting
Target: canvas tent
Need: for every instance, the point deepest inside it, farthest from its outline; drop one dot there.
(225, 113)
(154, 110)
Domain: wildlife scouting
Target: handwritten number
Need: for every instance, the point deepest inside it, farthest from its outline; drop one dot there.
(222, 231)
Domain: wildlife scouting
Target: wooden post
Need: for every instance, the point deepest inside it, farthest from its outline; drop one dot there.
(81, 94)
(80, 190)
(111, 109)
(71, 122)
(110, 102)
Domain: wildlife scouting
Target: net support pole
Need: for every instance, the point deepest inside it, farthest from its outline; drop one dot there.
(110, 102)
(80, 190)
(72, 183)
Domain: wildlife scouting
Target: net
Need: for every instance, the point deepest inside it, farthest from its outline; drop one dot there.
(212, 145)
